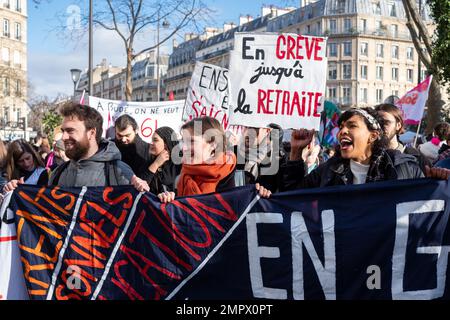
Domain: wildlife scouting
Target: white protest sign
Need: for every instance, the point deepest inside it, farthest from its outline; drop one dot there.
(208, 94)
(148, 115)
(277, 79)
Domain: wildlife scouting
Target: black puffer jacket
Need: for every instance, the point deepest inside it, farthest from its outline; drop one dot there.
(389, 165)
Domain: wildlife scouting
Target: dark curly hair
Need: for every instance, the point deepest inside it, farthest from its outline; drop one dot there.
(383, 142)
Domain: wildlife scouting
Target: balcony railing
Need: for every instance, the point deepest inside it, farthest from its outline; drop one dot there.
(379, 32)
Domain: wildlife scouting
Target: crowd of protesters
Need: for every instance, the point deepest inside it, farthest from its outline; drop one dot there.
(205, 161)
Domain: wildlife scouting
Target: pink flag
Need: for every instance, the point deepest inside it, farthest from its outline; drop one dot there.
(412, 104)
(82, 97)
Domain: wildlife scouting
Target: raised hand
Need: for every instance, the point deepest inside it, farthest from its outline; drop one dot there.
(299, 140)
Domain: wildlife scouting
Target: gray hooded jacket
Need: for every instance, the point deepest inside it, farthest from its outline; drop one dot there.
(102, 169)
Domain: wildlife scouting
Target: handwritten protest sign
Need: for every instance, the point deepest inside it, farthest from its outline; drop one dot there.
(277, 79)
(208, 94)
(148, 115)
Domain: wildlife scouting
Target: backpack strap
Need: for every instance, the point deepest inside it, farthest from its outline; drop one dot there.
(56, 174)
(111, 174)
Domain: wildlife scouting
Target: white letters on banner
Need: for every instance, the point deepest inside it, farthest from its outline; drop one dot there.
(148, 115)
(277, 79)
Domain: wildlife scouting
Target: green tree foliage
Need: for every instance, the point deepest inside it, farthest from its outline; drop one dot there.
(440, 10)
(50, 121)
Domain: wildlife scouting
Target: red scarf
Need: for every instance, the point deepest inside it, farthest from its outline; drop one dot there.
(204, 178)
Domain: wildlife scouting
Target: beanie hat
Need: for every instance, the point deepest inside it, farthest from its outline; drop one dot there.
(167, 135)
(429, 150)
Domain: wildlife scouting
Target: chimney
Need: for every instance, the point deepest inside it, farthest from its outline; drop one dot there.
(228, 26)
(245, 19)
(189, 36)
(272, 10)
(211, 32)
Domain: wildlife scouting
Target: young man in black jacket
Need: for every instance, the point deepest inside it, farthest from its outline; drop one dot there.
(393, 127)
(135, 152)
(260, 157)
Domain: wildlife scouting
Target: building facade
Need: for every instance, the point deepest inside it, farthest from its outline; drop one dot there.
(181, 66)
(144, 77)
(211, 47)
(110, 81)
(370, 52)
(13, 69)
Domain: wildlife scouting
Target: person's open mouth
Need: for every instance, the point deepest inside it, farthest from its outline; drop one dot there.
(346, 144)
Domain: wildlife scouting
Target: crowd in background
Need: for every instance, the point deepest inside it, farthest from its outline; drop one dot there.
(205, 160)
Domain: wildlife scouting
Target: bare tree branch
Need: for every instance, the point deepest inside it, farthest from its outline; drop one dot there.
(410, 6)
(426, 59)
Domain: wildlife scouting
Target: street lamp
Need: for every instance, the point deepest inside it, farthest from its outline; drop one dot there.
(76, 73)
(165, 25)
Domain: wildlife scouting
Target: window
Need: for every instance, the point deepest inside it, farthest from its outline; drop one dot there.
(347, 95)
(332, 49)
(333, 26)
(17, 60)
(19, 5)
(341, 5)
(347, 71)
(5, 55)
(410, 53)
(395, 93)
(150, 72)
(380, 72)
(394, 30)
(395, 74)
(395, 52)
(364, 72)
(18, 88)
(319, 28)
(347, 48)
(363, 95)
(332, 71)
(379, 95)
(363, 25)
(6, 4)
(423, 74)
(392, 10)
(6, 87)
(376, 8)
(379, 25)
(364, 48)
(332, 92)
(347, 25)
(308, 29)
(18, 32)
(6, 27)
(409, 75)
(380, 50)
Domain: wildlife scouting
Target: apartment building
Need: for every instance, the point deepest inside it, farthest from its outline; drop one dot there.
(13, 68)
